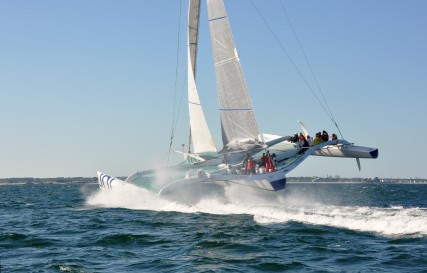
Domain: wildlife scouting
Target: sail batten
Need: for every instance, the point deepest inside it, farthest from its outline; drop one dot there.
(238, 122)
(214, 19)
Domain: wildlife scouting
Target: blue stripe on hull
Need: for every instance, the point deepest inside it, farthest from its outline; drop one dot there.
(279, 184)
(374, 153)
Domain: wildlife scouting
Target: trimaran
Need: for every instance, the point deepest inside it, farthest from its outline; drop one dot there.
(205, 165)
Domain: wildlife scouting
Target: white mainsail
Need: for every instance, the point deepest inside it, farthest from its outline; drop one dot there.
(238, 122)
(201, 136)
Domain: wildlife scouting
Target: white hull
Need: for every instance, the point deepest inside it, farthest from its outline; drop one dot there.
(168, 180)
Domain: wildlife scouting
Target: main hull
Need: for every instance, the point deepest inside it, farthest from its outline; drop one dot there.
(173, 179)
(168, 179)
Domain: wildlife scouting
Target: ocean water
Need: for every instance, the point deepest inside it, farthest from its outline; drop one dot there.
(306, 228)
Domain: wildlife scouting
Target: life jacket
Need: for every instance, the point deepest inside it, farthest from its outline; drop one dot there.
(317, 140)
(263, 160)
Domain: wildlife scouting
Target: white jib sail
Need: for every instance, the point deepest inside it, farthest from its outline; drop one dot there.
(200, 133)
(238, 122)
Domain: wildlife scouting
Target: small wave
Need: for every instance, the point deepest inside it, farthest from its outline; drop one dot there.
(13, 237)
(266, 266)
(67, 268)
(22, 240)
(126, 239)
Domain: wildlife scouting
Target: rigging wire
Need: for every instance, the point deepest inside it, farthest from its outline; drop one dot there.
(305, 55)
(176, 82)
(328, 113)
(309, 66)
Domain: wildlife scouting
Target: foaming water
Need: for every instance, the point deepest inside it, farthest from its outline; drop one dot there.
(274, 208)
(388, 222)
(132, 197)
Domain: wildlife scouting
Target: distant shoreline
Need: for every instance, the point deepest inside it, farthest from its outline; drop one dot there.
(46, 183)
(291, 180)
(366, 183)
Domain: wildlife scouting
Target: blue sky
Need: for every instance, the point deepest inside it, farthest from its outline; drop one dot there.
(89, 85)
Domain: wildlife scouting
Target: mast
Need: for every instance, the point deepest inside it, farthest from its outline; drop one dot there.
(201, 135)
(238, 122)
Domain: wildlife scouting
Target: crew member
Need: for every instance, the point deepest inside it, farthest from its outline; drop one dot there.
(325, 136)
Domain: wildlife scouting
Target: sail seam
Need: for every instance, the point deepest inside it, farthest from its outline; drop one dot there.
(195, 103)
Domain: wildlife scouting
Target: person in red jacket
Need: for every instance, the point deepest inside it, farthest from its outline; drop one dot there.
(269, 165)
(267, 162)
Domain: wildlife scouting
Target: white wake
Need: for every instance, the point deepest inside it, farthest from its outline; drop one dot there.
(270, 208)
